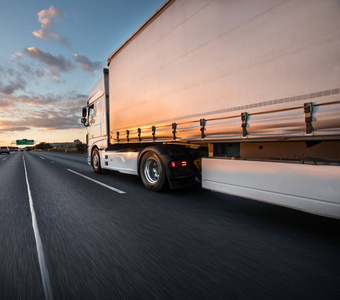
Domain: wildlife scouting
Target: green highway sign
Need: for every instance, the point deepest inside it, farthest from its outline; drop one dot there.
(25, 142)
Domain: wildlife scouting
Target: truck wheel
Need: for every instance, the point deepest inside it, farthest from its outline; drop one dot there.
(152, 172)
(95, 161)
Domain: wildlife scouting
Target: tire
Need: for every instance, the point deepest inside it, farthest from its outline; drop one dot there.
(152, 172)
(95, 162)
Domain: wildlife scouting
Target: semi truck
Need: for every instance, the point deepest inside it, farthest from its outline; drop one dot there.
(243, 96)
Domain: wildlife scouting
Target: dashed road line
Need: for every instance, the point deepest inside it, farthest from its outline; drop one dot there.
(98, 182)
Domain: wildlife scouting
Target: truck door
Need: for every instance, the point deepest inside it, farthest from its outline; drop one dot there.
(94, 129)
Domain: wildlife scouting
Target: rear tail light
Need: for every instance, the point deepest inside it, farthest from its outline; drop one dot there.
(179, 163)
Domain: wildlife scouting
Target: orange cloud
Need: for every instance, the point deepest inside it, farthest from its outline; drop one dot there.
(46, 31)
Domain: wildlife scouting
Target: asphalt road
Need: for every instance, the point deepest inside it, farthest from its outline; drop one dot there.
(65, 236)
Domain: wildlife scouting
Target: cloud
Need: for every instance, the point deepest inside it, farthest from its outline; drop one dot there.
(16, 55)
(17, 78)
(58, 63)
(56, 78)
(14, 82)
(12, 126)
(5, 103)
(12, 87)
(45, 112)
(46, 31)
(25, 68)
(87, 65)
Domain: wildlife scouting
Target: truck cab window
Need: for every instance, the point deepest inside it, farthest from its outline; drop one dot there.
(91, 112)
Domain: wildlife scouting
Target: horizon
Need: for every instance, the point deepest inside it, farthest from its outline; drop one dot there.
(38, 143)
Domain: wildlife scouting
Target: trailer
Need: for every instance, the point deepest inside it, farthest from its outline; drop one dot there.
(242, 95)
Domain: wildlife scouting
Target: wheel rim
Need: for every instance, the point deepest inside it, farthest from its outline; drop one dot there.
(151, 170)
(95, 161)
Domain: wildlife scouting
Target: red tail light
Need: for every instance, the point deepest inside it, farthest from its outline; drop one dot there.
(179, 163)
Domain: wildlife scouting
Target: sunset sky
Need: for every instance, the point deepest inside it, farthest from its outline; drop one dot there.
(51, 53)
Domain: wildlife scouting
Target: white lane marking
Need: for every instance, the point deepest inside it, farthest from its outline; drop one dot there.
(45, 278)
(41, 157)
(4, 158)
(98, 182)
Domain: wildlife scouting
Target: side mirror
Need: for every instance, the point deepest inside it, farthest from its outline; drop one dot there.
(83, 120)
(84, 112)
(84, 115)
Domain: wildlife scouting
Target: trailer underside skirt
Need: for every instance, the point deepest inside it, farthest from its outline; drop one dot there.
(311, 188)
